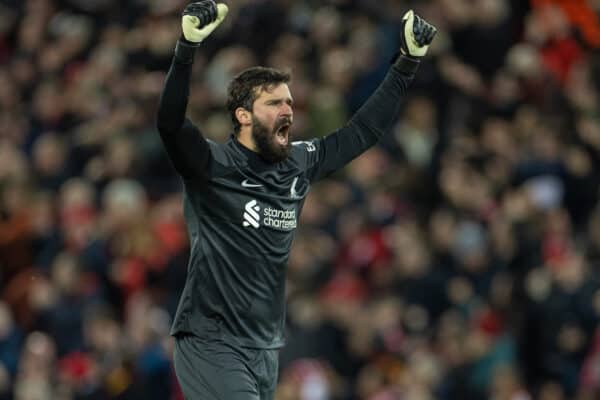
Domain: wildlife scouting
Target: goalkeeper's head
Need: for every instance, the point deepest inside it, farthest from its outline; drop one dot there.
(260, 104)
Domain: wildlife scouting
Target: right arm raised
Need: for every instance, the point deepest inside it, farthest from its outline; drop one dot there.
(188, 150)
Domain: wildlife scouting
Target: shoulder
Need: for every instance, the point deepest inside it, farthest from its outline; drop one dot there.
(223, 159)
(221, 152)
(303, 153)
(304, 146)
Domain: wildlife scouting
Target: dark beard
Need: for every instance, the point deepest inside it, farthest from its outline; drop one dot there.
(268, 148)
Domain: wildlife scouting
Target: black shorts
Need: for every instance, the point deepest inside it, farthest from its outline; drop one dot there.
(212, 369)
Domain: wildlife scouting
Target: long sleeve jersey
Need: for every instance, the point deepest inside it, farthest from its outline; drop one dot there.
(241, 212)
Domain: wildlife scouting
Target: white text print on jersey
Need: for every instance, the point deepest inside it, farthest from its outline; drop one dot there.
(248, 184)
(281, 219)
(310, 146)
(251, 214)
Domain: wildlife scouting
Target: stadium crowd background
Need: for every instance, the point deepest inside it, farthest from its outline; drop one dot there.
(457, 260)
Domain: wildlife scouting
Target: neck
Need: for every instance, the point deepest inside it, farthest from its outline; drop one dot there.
(245, 138)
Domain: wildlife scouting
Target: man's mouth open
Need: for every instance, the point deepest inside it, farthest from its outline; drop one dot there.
(282, 134)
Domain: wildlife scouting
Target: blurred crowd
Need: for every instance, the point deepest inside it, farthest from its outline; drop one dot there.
(459, 259)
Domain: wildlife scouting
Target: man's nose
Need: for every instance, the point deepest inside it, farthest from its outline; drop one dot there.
(286, 110)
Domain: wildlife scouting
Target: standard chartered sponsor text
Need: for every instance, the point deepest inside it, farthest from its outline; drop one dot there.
(282, 219)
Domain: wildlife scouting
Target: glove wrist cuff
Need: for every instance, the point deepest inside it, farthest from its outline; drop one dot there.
(184, 51)
(406, 64)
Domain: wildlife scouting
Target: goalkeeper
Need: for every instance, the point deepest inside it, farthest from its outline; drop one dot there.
(242, 200)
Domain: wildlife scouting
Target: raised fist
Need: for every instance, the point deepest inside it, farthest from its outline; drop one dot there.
(199, 19)
(417, 35)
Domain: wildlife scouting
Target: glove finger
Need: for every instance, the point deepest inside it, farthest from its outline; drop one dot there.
(205, 10)
(431, 34)
(417, 26)
(209, 13)
(424, 31)
(420, 30)
(423, 36)
(199, 7)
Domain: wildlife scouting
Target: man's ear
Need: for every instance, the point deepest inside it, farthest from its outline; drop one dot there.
(243, 116)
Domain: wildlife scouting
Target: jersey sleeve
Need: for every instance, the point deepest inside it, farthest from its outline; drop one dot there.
(187, 148)
(373, 120)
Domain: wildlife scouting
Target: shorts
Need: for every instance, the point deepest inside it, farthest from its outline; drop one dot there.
(213, 369)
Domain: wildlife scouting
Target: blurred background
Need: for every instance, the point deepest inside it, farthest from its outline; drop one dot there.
(458, 259)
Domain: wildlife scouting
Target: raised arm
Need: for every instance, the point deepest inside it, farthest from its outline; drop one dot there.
(188, 150)
(377, 116)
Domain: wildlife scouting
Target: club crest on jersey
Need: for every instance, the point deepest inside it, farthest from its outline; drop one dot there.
(271, 217)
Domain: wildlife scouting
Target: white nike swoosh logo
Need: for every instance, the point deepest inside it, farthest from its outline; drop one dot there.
(247, 184)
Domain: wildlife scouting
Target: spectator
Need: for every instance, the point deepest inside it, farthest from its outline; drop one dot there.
(457, 260)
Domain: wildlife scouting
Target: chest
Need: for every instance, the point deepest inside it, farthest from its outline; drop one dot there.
(269, 200)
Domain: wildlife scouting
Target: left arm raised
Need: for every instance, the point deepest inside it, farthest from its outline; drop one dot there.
(375, 118)
(379, 113)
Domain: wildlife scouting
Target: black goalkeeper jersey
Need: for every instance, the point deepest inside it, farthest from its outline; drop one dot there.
(242, 212)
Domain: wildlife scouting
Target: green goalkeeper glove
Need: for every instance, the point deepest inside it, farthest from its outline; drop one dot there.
(199, 19)
(417, 35)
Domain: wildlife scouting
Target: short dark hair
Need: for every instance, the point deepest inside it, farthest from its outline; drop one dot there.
(245, 88)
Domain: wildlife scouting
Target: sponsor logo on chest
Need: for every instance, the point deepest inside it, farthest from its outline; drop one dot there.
(254, 216)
